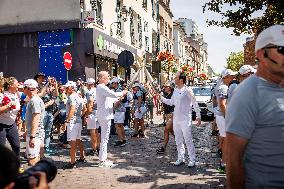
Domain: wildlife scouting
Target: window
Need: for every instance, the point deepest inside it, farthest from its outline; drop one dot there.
(146, 26)
(144, 4)
(166, 29)
(97, 6)
(147, 45)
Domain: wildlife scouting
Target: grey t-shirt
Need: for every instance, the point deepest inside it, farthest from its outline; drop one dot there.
(91, 95)
(75, 100)
(231, 90)
(256, 113)
(221, 93)
(35, 106)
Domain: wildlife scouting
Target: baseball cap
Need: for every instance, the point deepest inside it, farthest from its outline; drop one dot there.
(90, 81)
(70, 84)
(31, 83)
(246, 69)
(227, 72)
(115, 80)
(274, 35)
(21, 85)
(137, 85)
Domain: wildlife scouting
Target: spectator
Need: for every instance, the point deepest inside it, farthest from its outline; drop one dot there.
(255, 119)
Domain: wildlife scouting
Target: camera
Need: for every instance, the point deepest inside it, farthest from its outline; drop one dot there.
(47, 166)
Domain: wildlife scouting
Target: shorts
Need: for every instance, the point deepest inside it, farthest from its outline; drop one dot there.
(119, 117)
(220, 121)
(92, 122)
(35, 151)
(169, 118)
(140, 115)
(74, 131)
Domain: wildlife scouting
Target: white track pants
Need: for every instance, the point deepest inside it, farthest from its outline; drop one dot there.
(182, 130)
(105, 130)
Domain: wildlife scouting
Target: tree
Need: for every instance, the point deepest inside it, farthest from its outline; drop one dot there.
(241, 14)
(235, 61)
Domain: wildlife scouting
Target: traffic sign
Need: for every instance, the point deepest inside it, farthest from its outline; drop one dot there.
(67, 59)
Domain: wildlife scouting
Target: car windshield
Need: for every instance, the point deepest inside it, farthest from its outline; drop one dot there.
(202, 91)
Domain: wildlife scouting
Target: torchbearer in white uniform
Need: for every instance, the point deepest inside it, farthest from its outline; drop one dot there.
(105, 99)
(183, 99)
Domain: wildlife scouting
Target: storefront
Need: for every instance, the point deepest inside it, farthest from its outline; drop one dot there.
(106, 51)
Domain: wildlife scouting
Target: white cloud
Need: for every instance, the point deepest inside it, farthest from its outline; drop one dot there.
(220, 41)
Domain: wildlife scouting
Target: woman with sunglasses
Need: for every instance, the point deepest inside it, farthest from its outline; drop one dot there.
(9, 107)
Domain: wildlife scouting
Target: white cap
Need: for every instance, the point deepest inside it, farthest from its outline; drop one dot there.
(90, 81)
(137, 85)
(70, 84)
(227, 72)
(31, 83)
(246, 69)
(274, 35)
(115, 80)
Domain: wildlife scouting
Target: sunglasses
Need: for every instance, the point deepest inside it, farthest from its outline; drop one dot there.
(280, 49)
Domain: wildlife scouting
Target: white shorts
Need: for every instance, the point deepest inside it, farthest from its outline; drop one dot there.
(35, 151)
(74, 131)
(119, 117)
(140, 115)
(220, 121)
(92, 122)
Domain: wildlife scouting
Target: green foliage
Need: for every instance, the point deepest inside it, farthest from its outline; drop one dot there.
(235, 61)
(241, 14)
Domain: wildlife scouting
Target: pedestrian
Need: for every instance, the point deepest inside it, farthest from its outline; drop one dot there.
(168, 114)
(139, 111)
(245, 71)
(49, 96)
(119, 113)
(9, 108)
(92, 122)
(105, 98)
(34, 122)
(74, 108)
(222, 95)
(255, 119)
(127, 106)
(183, 99)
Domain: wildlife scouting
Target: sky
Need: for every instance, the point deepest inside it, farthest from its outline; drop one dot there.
(221, 41)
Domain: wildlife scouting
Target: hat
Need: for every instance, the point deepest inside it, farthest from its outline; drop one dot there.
(38, 75)
(273, 35)
(90, 81)
(246, 69)
(227, 72)
(115, 80)
(31, 83)
(137, 85)
(21, 85)
(70, 84)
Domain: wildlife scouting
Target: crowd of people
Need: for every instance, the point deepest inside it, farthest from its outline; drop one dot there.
(248, 110)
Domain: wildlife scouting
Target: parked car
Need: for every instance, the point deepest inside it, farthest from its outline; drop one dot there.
(203, 98)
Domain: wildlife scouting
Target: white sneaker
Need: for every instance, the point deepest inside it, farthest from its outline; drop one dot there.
(106, 163)
(191, 164)
(178, 162)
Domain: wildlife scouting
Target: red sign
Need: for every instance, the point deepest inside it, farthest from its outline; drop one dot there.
(67, 58)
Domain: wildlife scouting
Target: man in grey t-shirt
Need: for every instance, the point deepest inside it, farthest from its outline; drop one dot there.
(74, 107)
(255, 119)
(34, 122)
